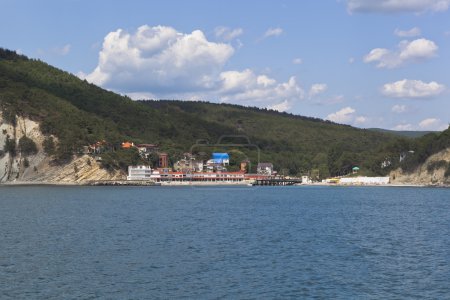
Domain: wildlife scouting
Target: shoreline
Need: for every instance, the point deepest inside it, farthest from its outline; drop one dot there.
(191, 183)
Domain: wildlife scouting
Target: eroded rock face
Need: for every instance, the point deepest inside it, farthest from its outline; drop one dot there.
(422, 176)
(39, 168)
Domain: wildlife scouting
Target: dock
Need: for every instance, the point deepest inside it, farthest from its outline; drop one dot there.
(276, 182)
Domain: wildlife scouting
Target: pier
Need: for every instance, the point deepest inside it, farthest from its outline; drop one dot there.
(276, 182)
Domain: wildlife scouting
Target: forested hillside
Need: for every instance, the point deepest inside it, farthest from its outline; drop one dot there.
(79, 113)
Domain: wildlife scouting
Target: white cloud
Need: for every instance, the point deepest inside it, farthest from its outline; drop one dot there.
(141, 96)
(351, 60)
(273, 32)
(317, 89)
(227, 34)
(408, 33)
(345, 115)
(403, 126)
(398, 108)
(247, 88)
(432, 124)
(282, 106)
(397, 6)
(159, 59)
(412, 89)
(428, 123)
(297, 61)
(160, 62)
(414, 51)
(81, 75)
(361, 120)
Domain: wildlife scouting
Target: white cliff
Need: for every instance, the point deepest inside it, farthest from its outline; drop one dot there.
(40, 168)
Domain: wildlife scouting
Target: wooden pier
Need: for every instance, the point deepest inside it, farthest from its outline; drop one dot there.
(276, 182)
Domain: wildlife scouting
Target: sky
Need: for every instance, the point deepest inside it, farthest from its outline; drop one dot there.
(365, 63)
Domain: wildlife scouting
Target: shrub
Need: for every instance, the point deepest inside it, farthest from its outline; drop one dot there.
(435, 165)
(447, 172)
(27, 146)
(49, 145)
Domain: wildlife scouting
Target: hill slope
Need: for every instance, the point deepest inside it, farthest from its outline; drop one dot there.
(77, 113)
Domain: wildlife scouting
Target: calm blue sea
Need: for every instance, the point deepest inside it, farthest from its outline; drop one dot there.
(224, 242)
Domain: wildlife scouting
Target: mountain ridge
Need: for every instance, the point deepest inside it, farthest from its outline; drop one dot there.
(78, 113)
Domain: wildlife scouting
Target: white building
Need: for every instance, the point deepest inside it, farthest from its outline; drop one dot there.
(264, 169)
(306, 179)
(139, 173)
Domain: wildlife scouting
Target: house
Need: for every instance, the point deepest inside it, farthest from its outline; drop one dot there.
(139, 173)
(355, 170)
(163, 160)
(386, 163)
(404, 155)
(147, 148)
(306, 179)
(243, 166)
(127, 145)
(221, 158)
(188, 164)
(265, 169)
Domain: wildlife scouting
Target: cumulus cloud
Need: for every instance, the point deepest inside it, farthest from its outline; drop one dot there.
(246, 87)
(273, 32)
(158, 59)
(425, 124)
(282, 106)
(227, 34)
(297, 61)
(429, 123)
(406, 52)
(398, 108)
(361, 120)
(397, 6)
(407, 88)
(317, 89)
(345, 115)
(408, 33)
(160, 62)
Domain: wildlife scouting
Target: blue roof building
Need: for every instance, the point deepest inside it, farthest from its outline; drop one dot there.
(221, 158)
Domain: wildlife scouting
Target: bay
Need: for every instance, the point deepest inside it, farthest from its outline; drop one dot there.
(224, 242)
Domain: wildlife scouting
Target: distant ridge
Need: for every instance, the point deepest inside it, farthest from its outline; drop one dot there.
(78, 113)
(403, 133)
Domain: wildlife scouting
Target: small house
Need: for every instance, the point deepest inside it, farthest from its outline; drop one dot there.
(264, 169)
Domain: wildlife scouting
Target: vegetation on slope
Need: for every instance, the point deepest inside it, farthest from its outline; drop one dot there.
(79, 113)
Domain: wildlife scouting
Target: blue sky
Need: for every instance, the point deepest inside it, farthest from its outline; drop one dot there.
(360, 62)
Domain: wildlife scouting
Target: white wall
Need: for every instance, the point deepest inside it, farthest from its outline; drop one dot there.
(364, 180)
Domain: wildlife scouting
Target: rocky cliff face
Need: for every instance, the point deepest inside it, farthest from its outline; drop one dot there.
(424, 175)
(38, 168)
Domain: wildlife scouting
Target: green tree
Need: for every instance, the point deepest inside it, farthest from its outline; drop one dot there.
(49, 145)
(10, 146)
(27, 146)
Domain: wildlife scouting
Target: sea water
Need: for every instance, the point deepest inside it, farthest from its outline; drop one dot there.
(224, 242)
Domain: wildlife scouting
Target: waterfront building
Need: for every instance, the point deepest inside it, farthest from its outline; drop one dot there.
(265, 169)
(221, 158)
(139, 173)
(306, 179)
